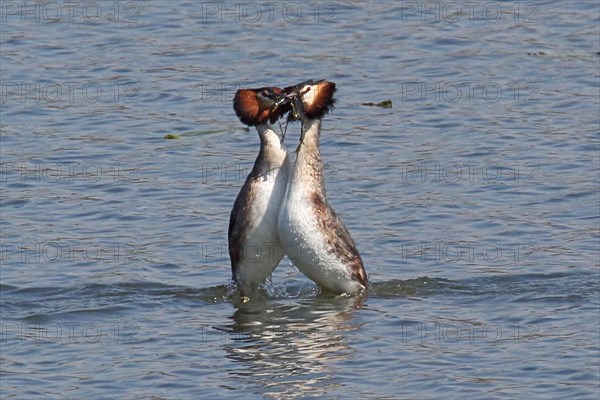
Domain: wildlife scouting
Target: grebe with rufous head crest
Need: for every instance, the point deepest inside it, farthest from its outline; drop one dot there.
(314, 237)
(254, 246)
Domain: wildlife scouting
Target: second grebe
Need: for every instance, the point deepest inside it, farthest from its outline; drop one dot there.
(313, 236)
(254, 246)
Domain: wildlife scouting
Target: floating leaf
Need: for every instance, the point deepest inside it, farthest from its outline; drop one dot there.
(194, 133)
(383, 104)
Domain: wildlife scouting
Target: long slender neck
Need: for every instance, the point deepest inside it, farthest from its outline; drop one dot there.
(269, 140)
(272, 152)
(311, 132)
(309, 166)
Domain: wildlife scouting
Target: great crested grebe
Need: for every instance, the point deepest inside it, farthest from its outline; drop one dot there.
(254, 246)
(313, 236)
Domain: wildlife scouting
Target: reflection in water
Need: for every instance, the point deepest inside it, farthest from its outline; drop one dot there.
(289, 350)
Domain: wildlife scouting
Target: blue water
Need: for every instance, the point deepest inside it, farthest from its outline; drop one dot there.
(473, 200)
